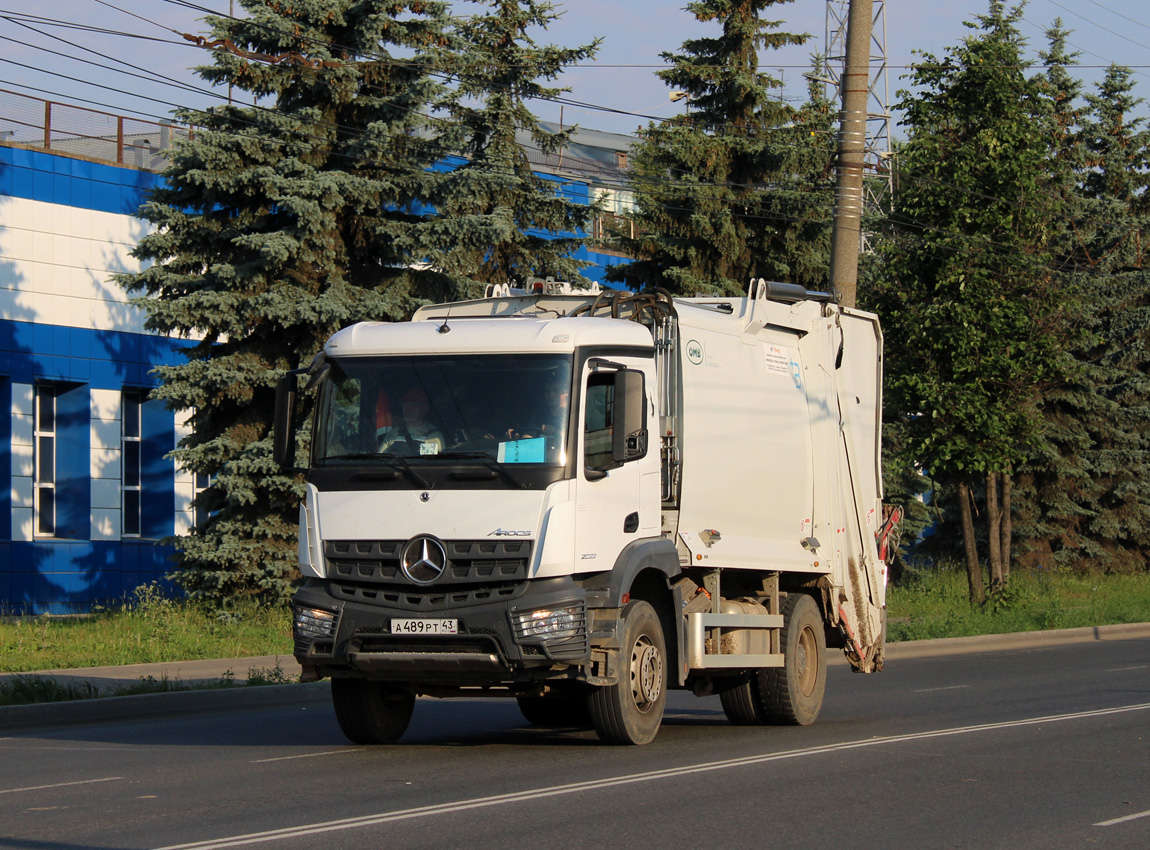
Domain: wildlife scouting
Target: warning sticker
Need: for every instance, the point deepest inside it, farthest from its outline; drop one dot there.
(778, 359)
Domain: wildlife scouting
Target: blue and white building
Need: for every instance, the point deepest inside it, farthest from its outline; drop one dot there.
(86, 488)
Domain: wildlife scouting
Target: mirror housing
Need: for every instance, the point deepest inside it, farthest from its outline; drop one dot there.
(629, 435)
(283, 425)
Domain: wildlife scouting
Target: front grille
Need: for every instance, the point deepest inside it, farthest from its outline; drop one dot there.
(412, 600)
(376, 562)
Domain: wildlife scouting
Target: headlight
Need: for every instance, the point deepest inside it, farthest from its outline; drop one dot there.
(550, 623)
(310, 623)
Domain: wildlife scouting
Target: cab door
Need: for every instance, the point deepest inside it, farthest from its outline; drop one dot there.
(617, 475)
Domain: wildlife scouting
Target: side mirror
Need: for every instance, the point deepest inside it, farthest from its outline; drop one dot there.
(283, 426)
(629, 438)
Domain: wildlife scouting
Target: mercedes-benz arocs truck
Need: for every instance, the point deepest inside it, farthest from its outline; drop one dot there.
(583, 499)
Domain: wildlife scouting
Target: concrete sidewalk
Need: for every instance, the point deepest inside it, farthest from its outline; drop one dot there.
(241, 695)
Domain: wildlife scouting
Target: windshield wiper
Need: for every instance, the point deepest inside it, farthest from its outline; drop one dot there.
(402, 461)
(387, 456)
(485, 459)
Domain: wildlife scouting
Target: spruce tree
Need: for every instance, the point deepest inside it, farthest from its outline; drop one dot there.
(972, 313)
(736, 187)
(278, 224)
(1116, 534)
(496, 220)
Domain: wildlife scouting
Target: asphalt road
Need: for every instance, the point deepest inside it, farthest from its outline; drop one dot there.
(1028, 748)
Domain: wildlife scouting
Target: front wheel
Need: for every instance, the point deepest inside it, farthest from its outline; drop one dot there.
(371, 712)
(631, 711)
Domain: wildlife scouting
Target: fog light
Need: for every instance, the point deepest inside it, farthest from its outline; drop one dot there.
(550, 623)
(311, 623)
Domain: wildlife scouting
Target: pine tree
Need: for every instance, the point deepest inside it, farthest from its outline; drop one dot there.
(738, 186)
(972, 313)
(498, 221)
(278, 224)
(1116, 535)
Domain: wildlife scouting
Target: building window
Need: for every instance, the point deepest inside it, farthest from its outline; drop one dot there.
(45, 464)
(203, 482)
(130, 418)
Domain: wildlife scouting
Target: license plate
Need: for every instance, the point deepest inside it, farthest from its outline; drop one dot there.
(425, 626)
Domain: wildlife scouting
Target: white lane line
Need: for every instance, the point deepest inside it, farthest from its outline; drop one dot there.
(597, 784)
(305, 756)
(1124, 669)
(59, 785)
(947, 688)
(1123, 820)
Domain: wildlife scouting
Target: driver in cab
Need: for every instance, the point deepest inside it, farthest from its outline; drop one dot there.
(413, 434)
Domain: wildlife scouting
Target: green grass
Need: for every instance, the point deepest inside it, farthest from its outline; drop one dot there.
(147, 629)
(933, 603)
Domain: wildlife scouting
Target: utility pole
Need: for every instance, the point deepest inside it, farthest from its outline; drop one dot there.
(851, 154)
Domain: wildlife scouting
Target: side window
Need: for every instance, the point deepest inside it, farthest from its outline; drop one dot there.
(598, 430)
(131, 458)
(45, 466)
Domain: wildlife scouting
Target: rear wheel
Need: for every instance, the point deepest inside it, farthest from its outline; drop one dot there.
(630, 711)
(791, 694)
(371, 712)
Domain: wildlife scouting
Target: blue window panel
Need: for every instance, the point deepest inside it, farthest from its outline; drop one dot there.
(107, 375)
(79, 342)
(158, 474)
(130, 556)
(20, 582)
(7, 330)
(6, 177)
(5, 576)
(24, 158)
(23, 183)
(73, 464)
(82, 193)
(42, 185)
(61, 164)
(80, 168)
(61, 189)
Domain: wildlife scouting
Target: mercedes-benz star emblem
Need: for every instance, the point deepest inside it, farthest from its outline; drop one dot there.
(423, 560)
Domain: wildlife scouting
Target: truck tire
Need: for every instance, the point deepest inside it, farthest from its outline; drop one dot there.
(550, 712)
(371, 712)
(631, 711)
(791, 694)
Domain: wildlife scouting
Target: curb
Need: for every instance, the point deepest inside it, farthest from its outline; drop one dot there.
(1014, 640)
(142, 706)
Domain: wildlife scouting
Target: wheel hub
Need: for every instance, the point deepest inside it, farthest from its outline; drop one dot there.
(646, 673)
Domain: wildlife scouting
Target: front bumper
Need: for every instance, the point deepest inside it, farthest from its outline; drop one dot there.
(498, 641)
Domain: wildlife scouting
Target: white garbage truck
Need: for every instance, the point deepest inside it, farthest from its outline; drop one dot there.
(581, 500)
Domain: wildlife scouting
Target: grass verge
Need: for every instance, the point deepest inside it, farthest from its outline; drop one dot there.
(148, 628)
(933, 603)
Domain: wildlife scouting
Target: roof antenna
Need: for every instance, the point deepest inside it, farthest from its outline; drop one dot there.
(443, 329)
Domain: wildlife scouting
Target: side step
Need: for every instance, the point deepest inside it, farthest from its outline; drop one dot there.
(699, 659)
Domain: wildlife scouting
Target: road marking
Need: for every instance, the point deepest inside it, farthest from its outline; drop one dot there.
(947, 688)
(629, 779)
(1123, 820)
(59, 785)
(1124, 669)
(305, 756)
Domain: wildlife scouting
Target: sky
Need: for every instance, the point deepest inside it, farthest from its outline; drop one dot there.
(620, 81)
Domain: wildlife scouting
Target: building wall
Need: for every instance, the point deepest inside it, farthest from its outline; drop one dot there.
(66, 226)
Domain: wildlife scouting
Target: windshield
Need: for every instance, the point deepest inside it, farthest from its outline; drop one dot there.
(486, 407)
